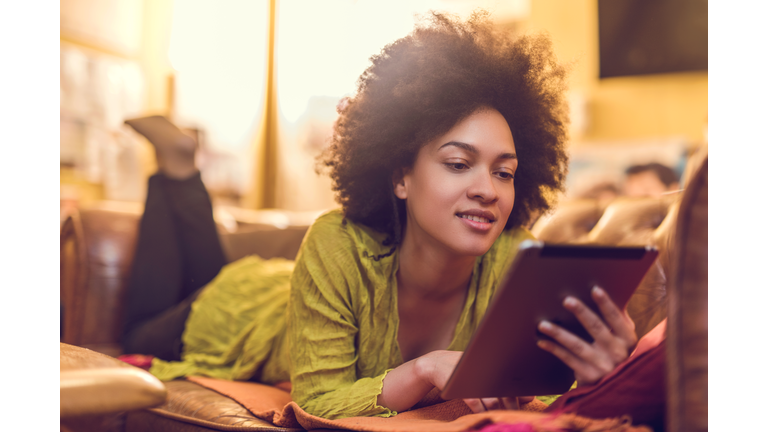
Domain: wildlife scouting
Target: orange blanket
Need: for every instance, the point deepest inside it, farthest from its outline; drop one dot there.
(274, 405)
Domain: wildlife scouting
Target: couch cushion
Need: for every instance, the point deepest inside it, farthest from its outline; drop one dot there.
(266, 241)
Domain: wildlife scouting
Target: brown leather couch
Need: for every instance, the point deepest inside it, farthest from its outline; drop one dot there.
(97, 246)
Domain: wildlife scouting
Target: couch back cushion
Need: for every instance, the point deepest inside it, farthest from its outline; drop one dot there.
(266, 241)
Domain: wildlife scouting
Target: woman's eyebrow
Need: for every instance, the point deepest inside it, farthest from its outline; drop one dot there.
(472, 149)
(468, 147)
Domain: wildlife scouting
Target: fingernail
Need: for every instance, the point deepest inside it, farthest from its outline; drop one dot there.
(598, 291)
(545, 326)
(569, 301)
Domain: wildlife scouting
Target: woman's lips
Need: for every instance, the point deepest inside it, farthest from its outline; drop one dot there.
(475, 218)
(477, 222)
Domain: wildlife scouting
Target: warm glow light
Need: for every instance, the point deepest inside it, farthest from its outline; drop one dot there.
(218, 49)
(323, 46)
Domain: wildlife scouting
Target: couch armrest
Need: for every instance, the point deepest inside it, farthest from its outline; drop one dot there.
(687, 331)
(97, 248)
(94, 384)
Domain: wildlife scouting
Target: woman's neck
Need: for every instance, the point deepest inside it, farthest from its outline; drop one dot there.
(432, 272)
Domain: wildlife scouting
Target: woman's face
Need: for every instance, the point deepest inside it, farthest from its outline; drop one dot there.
(460, 191)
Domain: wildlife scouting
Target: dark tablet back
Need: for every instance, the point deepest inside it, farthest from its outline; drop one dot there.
(502, 358)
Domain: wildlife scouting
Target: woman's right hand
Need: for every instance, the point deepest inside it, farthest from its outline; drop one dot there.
(437, 367)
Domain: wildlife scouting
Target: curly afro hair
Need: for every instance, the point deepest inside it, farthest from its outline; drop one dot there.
(420, 86)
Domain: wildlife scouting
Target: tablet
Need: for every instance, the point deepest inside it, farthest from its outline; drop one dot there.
(502, 358)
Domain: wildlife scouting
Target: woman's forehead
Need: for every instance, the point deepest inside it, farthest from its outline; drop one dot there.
(485, 128)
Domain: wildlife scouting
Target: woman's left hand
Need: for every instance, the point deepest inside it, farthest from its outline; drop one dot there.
(614, 339)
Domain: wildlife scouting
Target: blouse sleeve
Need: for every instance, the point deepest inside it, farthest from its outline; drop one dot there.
(323, 329)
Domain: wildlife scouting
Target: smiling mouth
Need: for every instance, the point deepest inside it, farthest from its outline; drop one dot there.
(475, 218)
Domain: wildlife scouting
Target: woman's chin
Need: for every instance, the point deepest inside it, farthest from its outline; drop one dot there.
(472, 248)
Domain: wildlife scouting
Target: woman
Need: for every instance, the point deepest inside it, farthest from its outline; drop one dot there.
(454, 138)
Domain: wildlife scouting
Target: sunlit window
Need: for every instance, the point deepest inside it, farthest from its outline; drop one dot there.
(218, 50)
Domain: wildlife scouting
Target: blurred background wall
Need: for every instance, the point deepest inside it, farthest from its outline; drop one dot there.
(257, 83)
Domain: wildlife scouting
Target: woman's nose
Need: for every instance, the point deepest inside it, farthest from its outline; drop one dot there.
(482, 188)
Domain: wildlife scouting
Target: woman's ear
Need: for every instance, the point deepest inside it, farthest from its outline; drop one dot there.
(398, 183)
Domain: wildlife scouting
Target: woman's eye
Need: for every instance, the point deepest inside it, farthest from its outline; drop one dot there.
(506, 175)
(456, 166)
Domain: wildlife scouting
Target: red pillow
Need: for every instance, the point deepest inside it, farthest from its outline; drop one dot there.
(139, 360)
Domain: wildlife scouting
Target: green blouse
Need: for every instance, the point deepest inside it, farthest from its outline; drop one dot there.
(328, 324)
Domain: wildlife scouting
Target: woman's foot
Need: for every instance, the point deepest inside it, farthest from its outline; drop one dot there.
(175, 150)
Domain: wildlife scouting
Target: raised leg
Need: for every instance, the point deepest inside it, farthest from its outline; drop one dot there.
(177, 253)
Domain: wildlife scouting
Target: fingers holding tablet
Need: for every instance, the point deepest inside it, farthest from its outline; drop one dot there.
(614, 338)
(619, 342)
(574, 352)
(481, 405)
(489, 404)
(618, 320)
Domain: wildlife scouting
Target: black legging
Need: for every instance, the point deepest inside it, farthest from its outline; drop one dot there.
(177, 253)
